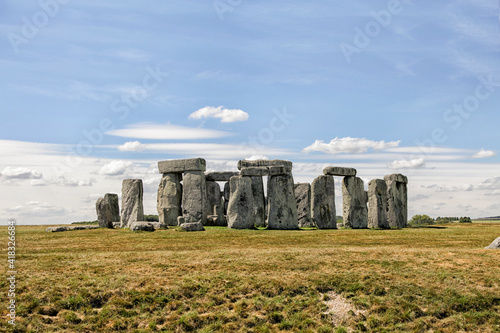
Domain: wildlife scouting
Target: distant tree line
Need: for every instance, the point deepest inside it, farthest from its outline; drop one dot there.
(420, 220)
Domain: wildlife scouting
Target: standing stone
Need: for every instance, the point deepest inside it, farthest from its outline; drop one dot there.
(214, 206)
(397, 200)
(169, 198)
(194, 196)
(377, 204)
(226, 197)
(281, 205)
(354, 200)
(132, 206)
(259, 201)
(240, 210)
(113, 202)
(303, 200)
(104, 213)
(323, 210)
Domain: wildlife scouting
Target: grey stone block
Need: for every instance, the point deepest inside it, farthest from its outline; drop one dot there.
(181, 166)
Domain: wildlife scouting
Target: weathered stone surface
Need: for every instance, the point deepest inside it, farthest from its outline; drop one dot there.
(107, 210)
(71, 228)
(354, 202)
(265, 163)
(303, 200)
(323, 210)
(215, 205)
(180, 220)
(339, 171)
(193, 226)
(194, 208)
(396, 177)
(132, 204)
(254, 171)
(281, 205)
(142, 226)
(226, 197)
(117, 224)
(159, 225)
(181, 166)
(169, 198)
(397, 200)
(494, 245)
(220, 176)
(259, 202)
(240, 213)
(377, 204)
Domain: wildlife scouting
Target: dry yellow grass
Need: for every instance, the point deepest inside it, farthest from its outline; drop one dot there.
(224, 280)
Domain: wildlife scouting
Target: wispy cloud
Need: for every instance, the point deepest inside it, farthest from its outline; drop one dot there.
(225, 115)
(166, 132)
(349, 145)
(407, 164)
(115, 168)
(484, 154)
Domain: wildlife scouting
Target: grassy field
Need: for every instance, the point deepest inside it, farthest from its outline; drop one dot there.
(412, 280)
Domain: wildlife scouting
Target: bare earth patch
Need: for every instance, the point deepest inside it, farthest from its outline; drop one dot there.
(340, 308)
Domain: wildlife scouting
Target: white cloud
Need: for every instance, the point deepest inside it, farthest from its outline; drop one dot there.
(20, 173)
(257, 157)
(115, 168)
(166, 132)
(407, 164)
(489, 184)
(62, 181)
(349, 145)
(226, 115)
(36, 208)
(484, 154)
(132, 146)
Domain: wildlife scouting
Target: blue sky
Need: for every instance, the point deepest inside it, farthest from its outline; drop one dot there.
(93, 93)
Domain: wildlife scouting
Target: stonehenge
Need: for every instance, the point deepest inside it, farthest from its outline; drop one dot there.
(190, 198)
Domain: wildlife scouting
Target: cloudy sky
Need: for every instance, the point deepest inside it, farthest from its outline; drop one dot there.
(93, 92)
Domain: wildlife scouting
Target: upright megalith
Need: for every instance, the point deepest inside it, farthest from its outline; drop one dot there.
(323, 210)
(194, 207)
(227, 194)
(107, 210)
(377, 204)
(215, 205)
(169, 198)
(240, 208)
(132, 202)
(397, 200)
(303, 201)
(354, 201)
(281, 205)
(259, 201)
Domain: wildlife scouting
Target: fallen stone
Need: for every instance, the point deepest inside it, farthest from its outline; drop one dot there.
(142, 226)
(220, 176)
(377, 204)
(303, 200)
(71, 228)
(265, 163)
(193, 226)
(169, 198)
(117, 224)
(132, 204)
(354, 202)
(397, 200)
(323, 211)
(494, 245)
(194, 197)
(181, 166)
(240, 213)
(281, 205)
(180, 220)
(339, 171)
